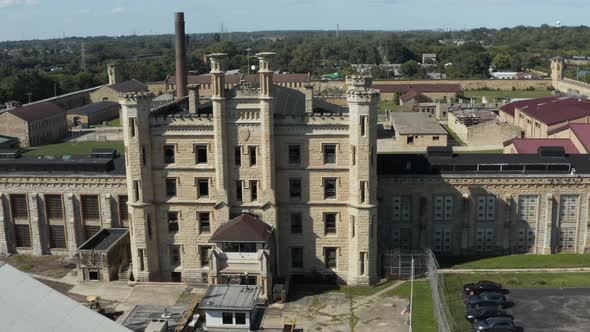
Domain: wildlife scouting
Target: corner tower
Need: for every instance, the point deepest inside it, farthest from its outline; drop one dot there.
(135, 115)
(362, 256)
(556, 70)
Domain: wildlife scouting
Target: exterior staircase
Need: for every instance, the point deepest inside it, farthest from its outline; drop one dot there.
(125, 271)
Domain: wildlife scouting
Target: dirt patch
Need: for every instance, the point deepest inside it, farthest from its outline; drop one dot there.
(49, 266)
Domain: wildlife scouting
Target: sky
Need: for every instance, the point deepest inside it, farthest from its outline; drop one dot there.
(42, 19)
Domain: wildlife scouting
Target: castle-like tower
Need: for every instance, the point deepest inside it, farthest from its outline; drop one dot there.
(114, 73)
(557, 66)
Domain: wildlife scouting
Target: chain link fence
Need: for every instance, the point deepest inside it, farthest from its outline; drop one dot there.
(397, 264)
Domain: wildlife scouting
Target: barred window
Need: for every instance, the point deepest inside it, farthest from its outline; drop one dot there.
(22, 235)
(204, 222)
(568, 208)
(401, 208)
(329, 153)
(296, 224)
(54, 207)
(201, 154)
(295, 188)
(90, 231)
(297, 258)
(204, 255)
(442, 207)
(57, 236)
(170, 187)
(172, 221)
(330, 258)
(329, 188)
(486, 207)
(330, 223)
(123, 210)
(18, 206)
(527, 208)
(202, 188)
(90, 208)
(294, 154)
(169, 154)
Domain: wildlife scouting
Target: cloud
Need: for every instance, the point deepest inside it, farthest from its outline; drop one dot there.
(18, 3)
(118, 10)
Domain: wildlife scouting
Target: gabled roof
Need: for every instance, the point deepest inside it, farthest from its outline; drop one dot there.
(29, 305)
(532, 145)
(414, 94)
(94, 107)
(550, 110)
(38, 111)
(131, 85)
(244, 228)
(421, 88)
(582, 132)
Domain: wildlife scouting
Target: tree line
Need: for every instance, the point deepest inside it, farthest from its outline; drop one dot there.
(43, 68)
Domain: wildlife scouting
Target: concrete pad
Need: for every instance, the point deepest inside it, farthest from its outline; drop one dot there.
(381, 315)
(113, 291)
(155, 294)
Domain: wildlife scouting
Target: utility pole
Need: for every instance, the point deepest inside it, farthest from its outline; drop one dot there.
(248, 52)
(337, 30)
(411, 293)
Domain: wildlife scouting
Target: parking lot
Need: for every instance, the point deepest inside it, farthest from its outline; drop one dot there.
(544, 310)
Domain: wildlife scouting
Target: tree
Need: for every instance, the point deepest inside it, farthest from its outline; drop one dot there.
(412, 69)
(502, 61)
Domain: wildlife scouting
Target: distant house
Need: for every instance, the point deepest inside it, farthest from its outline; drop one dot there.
(412, 98)
(34, 124)
(429, 58)
(111, 92)
(94, 113)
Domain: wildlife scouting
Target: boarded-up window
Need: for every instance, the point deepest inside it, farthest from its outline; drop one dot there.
(22, 235)
(53, 206)
(90, 210)
(57, 236)
(18, 206)
(91, 230)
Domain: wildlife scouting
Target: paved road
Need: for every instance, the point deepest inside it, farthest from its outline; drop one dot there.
(555, 310)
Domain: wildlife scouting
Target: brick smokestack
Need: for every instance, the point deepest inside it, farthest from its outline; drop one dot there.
(180, 56)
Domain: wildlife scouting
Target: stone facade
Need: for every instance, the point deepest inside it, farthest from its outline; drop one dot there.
(485, 215)
(245, 162)
(39, 232)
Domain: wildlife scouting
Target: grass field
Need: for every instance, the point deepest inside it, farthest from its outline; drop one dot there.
(113, 123)
(525, 261)
(492, 94)
(454, 284)
(423, 317)
(75, 148)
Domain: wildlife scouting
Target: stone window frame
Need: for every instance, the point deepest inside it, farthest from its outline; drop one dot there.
(291, 260)
(197, 183)
(174, 147)
(199, 219)
(176, 185)
(336, 186)
(300, 197)
(120, 211)
(336, 255)
(575, 208)
(336, 222)
(256, 149)
(324, 156)
(207, 153)
(170, 222)
(200, 251)
(84, 218)
(299, 160)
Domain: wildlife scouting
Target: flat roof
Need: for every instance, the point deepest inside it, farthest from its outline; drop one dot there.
(230, 297)
(104, 239)
(94, 107)
(29, 305)
(141, 315)
(62, 164)
(415, 123)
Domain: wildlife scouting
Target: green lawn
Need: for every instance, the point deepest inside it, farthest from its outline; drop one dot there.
(492, 94)
(388, 105)
(423, 317)
(525, 261)
(113, 123)
(454, 284)
(74, 148)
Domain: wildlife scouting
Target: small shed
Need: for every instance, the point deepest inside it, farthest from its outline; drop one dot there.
(230, 307)
(105, 256)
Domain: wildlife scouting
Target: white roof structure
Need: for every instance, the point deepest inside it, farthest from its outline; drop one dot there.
(28, 305)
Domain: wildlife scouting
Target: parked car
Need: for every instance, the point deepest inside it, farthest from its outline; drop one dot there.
(484, 312)
(483, 286)
(494, 324)
(486, 299)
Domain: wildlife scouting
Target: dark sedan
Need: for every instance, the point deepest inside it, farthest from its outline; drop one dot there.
(495, 324)
(486, 299)
(483, 286)
(485, 312)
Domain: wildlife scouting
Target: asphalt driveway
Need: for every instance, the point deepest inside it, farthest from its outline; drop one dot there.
(556, 310)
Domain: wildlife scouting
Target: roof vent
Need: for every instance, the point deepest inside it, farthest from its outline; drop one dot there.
(103, 153)
(439, 151)
(551, 151)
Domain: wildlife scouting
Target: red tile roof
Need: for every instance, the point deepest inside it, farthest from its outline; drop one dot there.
(420, 88)
(551, 110)
(582, 132)
(244, 228)
(37, 111)
(532, 145)
(235, 78)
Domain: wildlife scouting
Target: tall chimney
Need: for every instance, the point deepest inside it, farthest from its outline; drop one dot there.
(180, 56)
(193, 98)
